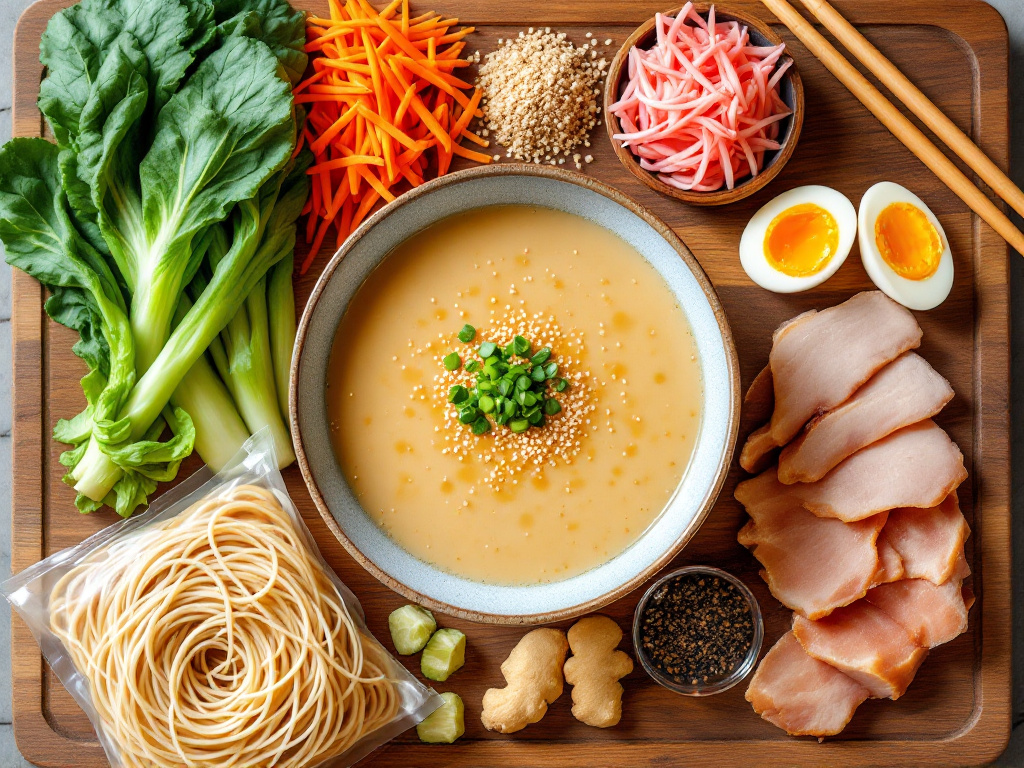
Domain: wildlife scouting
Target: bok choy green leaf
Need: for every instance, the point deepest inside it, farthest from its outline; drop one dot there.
(175, 128)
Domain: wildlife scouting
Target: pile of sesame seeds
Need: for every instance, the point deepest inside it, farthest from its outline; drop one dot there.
(505, 454)
(540, 96)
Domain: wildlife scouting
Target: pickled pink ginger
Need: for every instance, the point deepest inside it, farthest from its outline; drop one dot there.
(702, 107)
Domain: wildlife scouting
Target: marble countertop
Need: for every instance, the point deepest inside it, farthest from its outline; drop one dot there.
(1013, 13)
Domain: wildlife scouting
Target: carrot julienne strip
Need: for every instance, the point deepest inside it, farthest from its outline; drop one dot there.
(384, 111)
(343, 162)
(470, 154)
(374, 182)
(478, 140)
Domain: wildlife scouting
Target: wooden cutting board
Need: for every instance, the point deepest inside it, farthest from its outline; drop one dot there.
(958, 709)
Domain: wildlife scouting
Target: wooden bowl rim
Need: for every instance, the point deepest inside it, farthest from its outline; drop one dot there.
(749, 185)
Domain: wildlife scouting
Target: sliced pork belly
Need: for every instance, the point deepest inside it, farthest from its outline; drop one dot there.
(760, 397)
(811, 564)
(929, 540)
(917, 466)
(801, 695)
(906, 391)
(890, 564)
(864, 642)
(820, 359)
(759, 446)
(931, 615)
(758, 450)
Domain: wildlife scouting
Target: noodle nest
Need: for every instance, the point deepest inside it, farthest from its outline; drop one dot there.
(217, 638)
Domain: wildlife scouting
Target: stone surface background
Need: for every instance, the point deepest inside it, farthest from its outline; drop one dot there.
(1013, 13)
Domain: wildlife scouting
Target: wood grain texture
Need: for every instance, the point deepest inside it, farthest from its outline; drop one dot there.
(958, 709)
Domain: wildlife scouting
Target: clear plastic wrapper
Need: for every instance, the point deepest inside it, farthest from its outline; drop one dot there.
(209, 631)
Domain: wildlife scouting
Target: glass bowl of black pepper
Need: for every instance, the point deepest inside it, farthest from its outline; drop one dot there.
(697, 631)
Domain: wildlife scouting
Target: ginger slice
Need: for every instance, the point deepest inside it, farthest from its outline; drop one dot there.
(594, 671)
(533, 673)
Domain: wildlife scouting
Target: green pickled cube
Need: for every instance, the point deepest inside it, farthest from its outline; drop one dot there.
(446, 723)
(444, 654)
(411, 627)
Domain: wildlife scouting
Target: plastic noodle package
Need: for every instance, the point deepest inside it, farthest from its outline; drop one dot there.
(209, 631)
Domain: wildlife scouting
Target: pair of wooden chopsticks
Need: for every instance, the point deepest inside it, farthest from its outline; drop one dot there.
(902, 128)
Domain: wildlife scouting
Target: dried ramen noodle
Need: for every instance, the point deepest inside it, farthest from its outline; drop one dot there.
(216, 638)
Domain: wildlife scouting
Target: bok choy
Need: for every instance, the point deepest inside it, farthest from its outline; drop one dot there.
(157, 221)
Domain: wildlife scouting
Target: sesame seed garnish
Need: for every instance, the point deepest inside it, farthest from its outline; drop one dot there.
(540, 95)
(507, 455)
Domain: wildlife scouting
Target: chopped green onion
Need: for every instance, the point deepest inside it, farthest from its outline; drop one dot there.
(458, 394)
(520, 346)
(506, 392)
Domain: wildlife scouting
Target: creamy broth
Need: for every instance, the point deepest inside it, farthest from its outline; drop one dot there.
(634, 401)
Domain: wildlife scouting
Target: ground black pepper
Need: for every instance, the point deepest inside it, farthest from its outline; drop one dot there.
(696, 628)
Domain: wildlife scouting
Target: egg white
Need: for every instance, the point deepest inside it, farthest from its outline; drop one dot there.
(913, 294)
(752, 256)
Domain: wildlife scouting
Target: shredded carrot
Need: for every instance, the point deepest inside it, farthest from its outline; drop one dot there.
(478, 140)
(477, 157)
(344, 162)
(385, 112)
(328, 136)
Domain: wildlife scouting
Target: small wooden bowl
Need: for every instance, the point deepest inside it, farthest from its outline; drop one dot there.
(791, 89)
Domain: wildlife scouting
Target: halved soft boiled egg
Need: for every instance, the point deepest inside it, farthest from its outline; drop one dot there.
(904, 250)
(799, 239)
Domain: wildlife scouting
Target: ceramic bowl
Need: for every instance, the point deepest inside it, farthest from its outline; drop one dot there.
(791, 89)
(420, 581)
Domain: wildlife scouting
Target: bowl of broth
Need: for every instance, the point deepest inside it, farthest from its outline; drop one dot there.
(514, 395)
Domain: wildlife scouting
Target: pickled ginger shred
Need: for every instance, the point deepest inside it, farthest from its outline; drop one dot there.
(702, 107)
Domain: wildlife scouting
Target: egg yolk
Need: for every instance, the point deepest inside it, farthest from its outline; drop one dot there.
(801, 240)
(907, 241)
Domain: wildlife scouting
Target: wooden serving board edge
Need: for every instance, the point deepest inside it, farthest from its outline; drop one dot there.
(979, 742)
